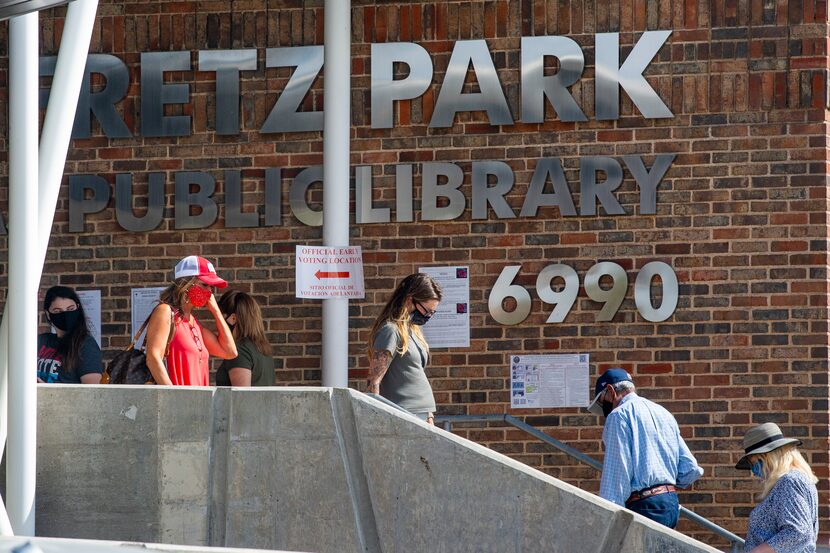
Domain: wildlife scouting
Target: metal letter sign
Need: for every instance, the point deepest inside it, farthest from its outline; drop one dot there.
(227, 64)
(536, 87)
(284, 117)
(155, 94)
(385, 90)
(610, 76)
(451, 99)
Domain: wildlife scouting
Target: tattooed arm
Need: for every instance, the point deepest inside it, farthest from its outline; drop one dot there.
(379, 362)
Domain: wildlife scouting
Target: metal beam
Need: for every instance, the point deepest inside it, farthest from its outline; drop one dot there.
(24, 34)
(48, 168)
(336, 176)
(12, 8)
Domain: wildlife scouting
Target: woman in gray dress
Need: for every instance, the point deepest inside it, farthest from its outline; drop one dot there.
(398, 352)
(787, 517)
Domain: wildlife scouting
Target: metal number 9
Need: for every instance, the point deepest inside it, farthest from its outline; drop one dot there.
(503, 289)
(614, 296)
(565, 298)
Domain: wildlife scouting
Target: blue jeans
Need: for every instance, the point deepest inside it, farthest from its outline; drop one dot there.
(663, 508)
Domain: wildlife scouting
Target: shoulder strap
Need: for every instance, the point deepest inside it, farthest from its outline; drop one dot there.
(170, 335)
(137, 334)
(172, 332)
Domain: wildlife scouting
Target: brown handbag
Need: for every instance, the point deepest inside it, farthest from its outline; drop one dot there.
(129, 366)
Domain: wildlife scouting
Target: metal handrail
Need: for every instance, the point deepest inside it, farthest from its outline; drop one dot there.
(448, 420)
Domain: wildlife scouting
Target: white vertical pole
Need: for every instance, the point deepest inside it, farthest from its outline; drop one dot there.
(5, 524)
(336, 172)
(22, 297)
(57, 130)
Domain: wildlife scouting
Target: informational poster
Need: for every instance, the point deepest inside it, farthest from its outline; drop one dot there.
(91, 302)
(450, 326)
(553, 380)
(329, 272)
(143, 302)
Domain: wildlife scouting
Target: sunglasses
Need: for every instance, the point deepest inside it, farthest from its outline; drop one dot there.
(427, 311)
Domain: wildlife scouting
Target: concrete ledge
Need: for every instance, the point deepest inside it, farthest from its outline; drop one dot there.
(64, 545)
(313, 469)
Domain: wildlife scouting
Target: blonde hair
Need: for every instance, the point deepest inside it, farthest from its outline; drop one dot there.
(418, 287)
(779, 462)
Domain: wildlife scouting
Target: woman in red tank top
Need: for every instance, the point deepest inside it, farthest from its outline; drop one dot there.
(186, 362)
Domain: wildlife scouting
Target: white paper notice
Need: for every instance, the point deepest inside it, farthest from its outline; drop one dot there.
(91, 302)
(554, 380)
(450, 326)
(329, 272)
(144, 300)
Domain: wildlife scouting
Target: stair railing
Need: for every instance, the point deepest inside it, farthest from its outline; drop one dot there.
(448, 420)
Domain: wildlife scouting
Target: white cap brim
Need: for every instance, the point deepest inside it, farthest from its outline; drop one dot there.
(595, 407)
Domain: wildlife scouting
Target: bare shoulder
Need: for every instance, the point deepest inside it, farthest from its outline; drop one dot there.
(161, 311)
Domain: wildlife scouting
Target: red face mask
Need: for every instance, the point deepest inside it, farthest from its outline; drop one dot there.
(198, 296)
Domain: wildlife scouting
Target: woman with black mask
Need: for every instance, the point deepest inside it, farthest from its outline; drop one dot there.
(398, 352)
(70, 355)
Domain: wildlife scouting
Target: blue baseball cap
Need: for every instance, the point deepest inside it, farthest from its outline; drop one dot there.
(611, 376)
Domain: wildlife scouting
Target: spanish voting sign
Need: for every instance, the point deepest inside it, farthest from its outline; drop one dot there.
(329, 272)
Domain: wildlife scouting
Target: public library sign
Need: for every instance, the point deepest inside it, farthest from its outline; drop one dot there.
(442, 197)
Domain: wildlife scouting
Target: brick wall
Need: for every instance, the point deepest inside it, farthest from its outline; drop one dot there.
(741, 214)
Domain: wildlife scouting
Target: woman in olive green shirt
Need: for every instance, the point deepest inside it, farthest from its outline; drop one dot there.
(254, 365)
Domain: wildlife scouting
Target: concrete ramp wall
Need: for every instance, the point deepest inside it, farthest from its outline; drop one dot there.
(302, 469)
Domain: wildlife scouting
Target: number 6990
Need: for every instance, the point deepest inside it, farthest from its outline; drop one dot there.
(564, 298)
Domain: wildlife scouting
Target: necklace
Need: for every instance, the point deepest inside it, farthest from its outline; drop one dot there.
(196, 338)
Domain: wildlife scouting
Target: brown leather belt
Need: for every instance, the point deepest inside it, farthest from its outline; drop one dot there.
(650, 492)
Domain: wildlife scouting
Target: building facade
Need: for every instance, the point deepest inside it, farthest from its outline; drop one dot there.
(504, 136)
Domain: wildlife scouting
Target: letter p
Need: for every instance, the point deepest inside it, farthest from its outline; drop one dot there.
(385, 90)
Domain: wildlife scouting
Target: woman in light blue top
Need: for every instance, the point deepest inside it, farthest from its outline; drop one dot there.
(786, 520)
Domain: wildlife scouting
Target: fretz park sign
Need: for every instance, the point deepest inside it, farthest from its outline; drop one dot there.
(441, 192)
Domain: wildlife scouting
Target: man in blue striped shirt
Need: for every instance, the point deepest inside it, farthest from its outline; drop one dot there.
(646, 459)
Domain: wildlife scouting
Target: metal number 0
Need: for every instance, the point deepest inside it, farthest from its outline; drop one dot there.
(642, 291)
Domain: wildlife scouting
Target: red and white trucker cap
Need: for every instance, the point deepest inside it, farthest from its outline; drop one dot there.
(193, 265)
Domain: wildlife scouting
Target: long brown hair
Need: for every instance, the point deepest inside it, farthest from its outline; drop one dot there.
(69, 346)
(174, 295)
(420, 288)
(248, 318)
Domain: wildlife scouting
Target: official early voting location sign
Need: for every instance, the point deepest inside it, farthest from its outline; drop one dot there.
(330, 272)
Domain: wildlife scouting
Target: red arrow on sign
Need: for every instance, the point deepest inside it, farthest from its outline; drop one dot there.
(321, 275)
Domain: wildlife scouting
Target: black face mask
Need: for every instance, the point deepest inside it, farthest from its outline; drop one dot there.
(65, 321)
(606, 408)
(419, 318)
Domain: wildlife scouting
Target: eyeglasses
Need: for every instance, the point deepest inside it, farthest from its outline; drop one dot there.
(56, 310)
(196, 340)
(427, 311)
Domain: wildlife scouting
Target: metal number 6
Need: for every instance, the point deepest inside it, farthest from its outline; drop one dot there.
(502, 289)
